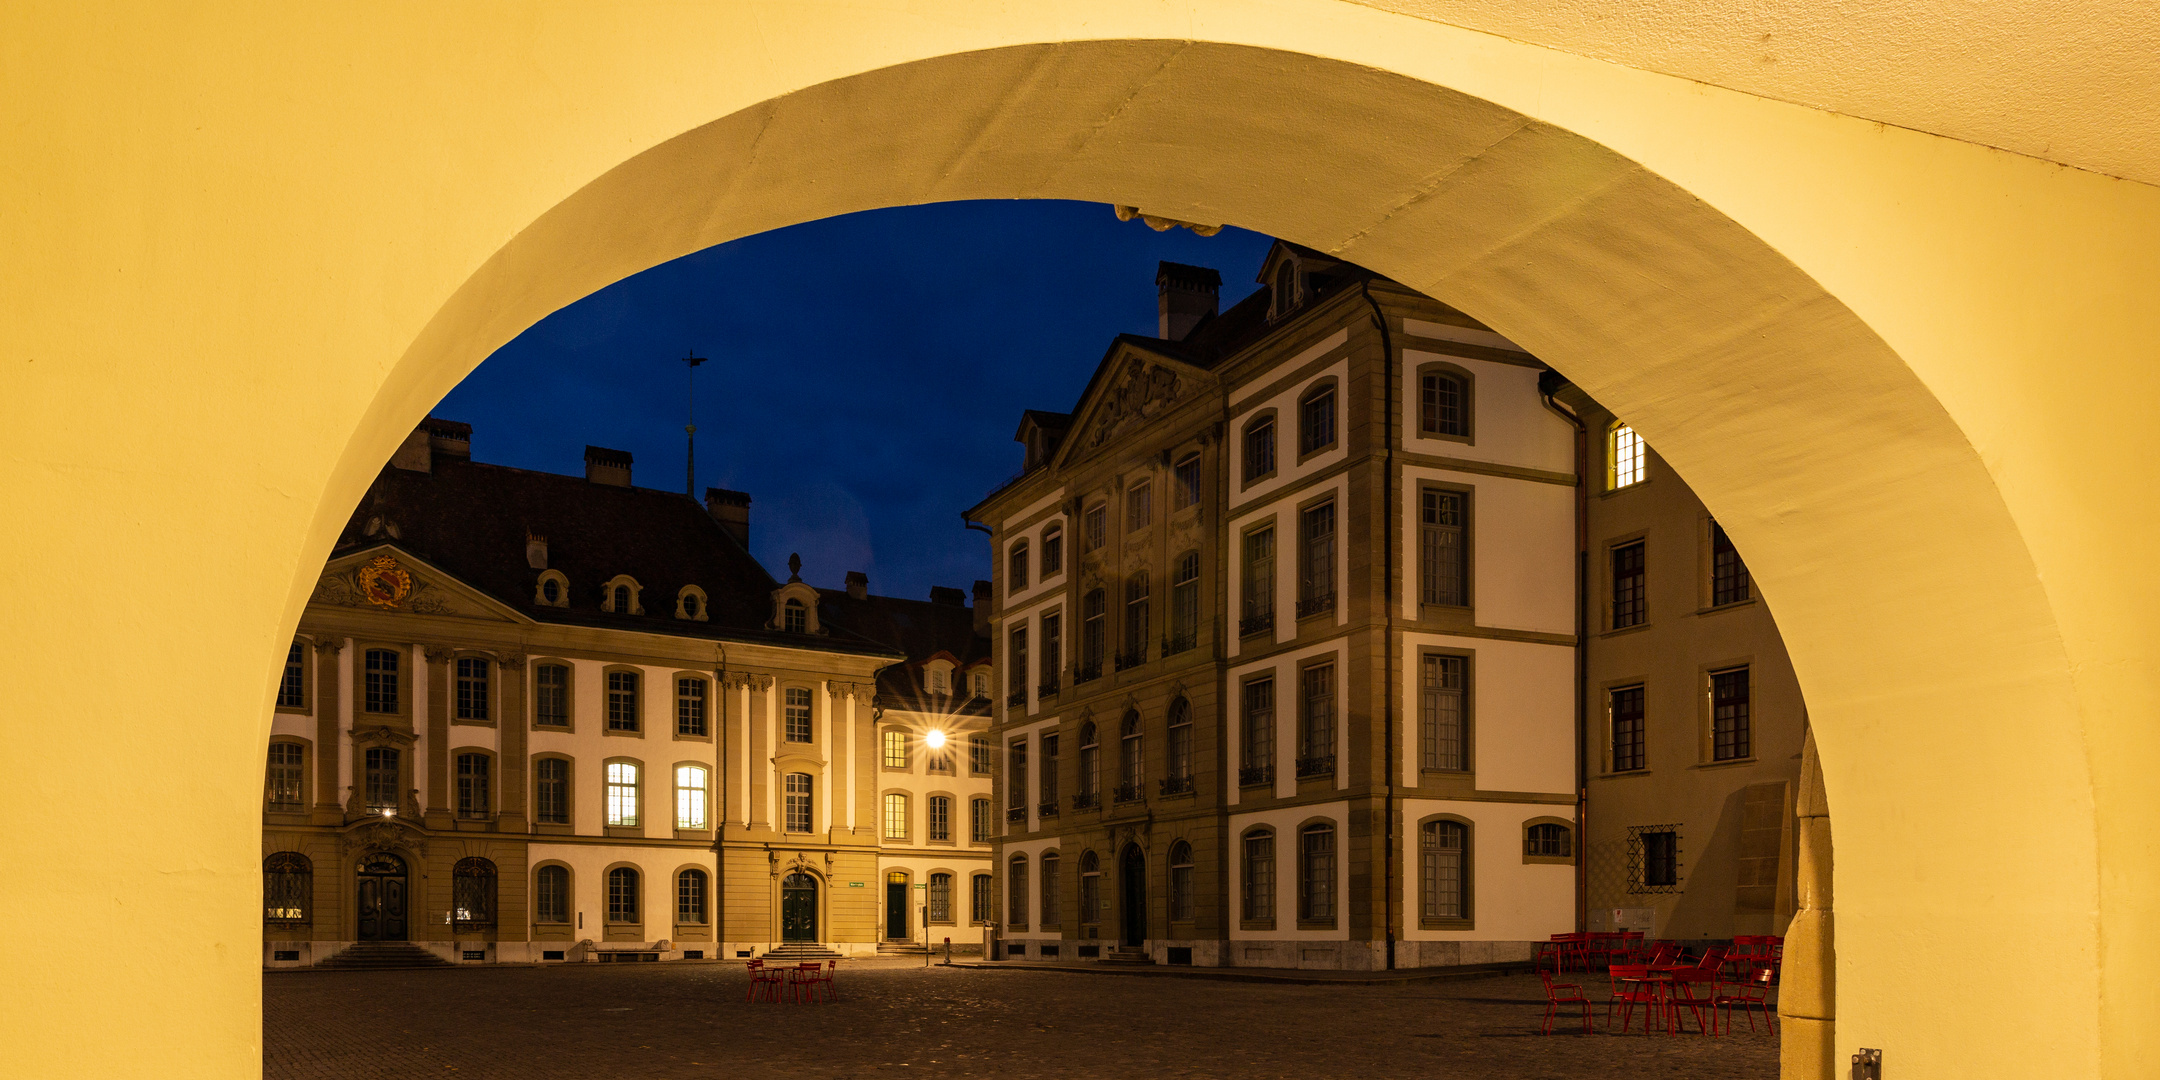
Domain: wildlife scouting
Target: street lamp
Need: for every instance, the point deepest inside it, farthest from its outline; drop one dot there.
(935, 739)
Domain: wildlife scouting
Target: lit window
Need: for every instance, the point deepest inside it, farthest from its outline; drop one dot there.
(622, 794)
(982, 684)
(622, 701)
(798, 714)
(896, 748)
(979, 760)
(798, 802)
(896, 817)
(690, 796)
(690, 706)
(937, 680)
(1627, 456)
(288, 888)
(283, 783)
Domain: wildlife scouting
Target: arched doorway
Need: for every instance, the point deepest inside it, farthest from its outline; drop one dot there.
(379, 892)
(896, 906)
(1132, 896)
(798, 907)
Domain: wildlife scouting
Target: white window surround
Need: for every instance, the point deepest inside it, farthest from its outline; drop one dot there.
(1001, 638)
(1515, 525)
(607, 595)
(1033, 849)
(1286, 821)
(1509, 420)
(1288, 470)
(1522, 711)
(1288, 701)
(1509, 900)
(1284, 514)
(1038, 584)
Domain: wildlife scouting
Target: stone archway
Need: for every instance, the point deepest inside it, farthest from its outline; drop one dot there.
(1835, 331)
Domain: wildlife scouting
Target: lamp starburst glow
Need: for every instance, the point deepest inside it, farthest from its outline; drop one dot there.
(934, 739)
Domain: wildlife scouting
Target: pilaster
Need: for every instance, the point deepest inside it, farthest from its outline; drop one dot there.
(328, 809)
(437, 812)
(511, 756)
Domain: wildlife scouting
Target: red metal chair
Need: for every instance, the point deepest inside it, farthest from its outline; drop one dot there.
(1713, 960)
(1664, 953)
(1749, 996)
(802, 981)
(1631, 986)
(1558, 994)
(1682, 993)
(765, 982)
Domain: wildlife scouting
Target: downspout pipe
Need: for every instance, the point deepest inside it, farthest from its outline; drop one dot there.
(1394, 533)
(1548, 384)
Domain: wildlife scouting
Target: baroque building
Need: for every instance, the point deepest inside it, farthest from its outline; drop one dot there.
(535, 717)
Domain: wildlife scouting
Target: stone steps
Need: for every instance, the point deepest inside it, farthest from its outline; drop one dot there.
(383, 955)
(801, 951)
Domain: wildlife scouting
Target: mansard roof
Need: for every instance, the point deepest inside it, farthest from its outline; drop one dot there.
(922, 629)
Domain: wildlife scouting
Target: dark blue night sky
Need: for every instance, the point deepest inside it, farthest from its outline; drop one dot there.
(866, 372)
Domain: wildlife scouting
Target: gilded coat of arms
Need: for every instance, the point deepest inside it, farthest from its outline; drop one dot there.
(383, 581)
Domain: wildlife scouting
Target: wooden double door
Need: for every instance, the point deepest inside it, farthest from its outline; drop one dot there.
(380, 890)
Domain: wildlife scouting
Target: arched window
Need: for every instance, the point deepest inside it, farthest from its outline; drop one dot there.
(1316, 873)
(1625, 449)
(1181, 882)
(1444, 869)
(1177, 769)
(1549, 841)
(941, 898)
(794, 617)
(691, 796)
(896, 817)
(690, 603)
(622, 794)
(1051, 915)
(472, 894)
(1316, 418)
(1443, 402)
(1053, 549)
(1129, 761)
(1090, 888)
(473, 791)
(1090, 767)
(622, 895)
(1258, 872)
(1286, 290)
(979, 910)
(1016, 889)
(621, 605)
(551, 894)
(1016, 568)
(690, 898)
(1260, 447)
(285, 777)
(798, 802)
(288, 889)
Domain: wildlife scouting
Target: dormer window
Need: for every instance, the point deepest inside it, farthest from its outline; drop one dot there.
(690, 607)
(1286, 288)
(690, 604)
(937, 681)
(794, 617)
(982, 684)
(552, 589)
(621, 601)
(620, 596)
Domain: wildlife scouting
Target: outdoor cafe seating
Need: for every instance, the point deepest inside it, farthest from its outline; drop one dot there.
(800, 983)
(1664, 982)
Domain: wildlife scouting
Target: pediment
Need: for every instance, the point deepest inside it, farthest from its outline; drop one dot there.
(1134, 385)
(387, 578)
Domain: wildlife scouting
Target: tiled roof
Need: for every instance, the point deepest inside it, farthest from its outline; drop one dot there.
(921, 629)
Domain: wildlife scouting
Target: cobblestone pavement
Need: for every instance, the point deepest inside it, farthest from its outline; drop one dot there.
(595, 1022)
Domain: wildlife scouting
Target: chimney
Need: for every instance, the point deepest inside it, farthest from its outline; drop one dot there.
(605, 466)
(732, 510)
(948, 596)
(858, 585)
(536, 551)
(982, 608)
(449, 438)
(1184, 296)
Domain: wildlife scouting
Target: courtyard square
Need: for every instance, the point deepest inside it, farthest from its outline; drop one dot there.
(896, 1018)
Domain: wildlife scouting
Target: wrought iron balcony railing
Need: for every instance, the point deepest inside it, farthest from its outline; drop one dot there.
(1087, 800)
(1177, 643)
(1016, 813)
(1087, 673)
(1320, 765)
(1016, 699)
(1129, 793)
(1256, 624)
(1049, 808)
(1255, 774)
(1049, 688)
(1175, 785)
(1316, 605)
(1131, 659)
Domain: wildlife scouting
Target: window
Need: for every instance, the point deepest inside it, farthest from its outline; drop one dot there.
(622, 701)
(1443, 404)
(384, 784)
(1136, 620)
(1260, 448)
(980, 830)
(1729, 581)
(551, 791)
(798, 714)
(472, 894)
(1016, 568)
(551, 706)
(472, 688)
(938, 684)
(979, 898)
(1316, 559)
(690, 706)
(1016, 666)
(292, 688)
(1655, 853)
(982, 684)
(1259, 585)
(1443, 869)
(1184, 604)
(1443, 720)
(286, 773)
(1139, 506)
(1016, 777)
(941, 898)
(897, 750)
(472, 785)
(1186, 473)
(1178, 766)
(1051, 915)
(1090, 889)
(690, 602)
(622, 794)
(621, 604)
(1130, 762)
(1286, 291)
(1091, 635)
(1729, 734)
(896, 817)
(288, 888)
(1053, 549)
(1316, 873)
(1627, 729)
(1316, 720)
(1181, 882)
(979, 755)
(622, 895)
(1094, 525)
(941, 819)
(690, 898)
(797, 795)
(1049, 774)
(1629, 601)
(551, 591)
(381, 685)
(1627, 456)
(1549, 841)
(1258, 888)
(1090, 767)
(551, 894)
(1256, 742)
(1316, 419)
(691, 795)
(1443, 553)
(794, 617)
(1053, 646)
(1016, 905)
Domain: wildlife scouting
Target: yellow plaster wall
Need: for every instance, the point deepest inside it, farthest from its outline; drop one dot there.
(246, 247)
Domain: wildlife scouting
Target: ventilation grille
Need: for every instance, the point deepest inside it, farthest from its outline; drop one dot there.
(551, 954)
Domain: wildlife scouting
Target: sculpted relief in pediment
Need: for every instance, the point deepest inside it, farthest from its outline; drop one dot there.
(385, 584)
(1142, 390)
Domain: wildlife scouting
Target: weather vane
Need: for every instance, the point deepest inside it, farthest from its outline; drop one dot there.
(690, 429)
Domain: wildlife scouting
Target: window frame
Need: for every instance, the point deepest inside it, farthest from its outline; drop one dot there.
(1467, 917)
(1326, 387)
(569, 894)
(703, 796)
(300, 778)
(692, 605)
(1309, 915)
(982, 819)
(1426, 415)
(363, 698)
(704, 699)
(569, 793)
(1016, 567)
(1638, 597)
(703, 878)
(1259, 430)
(787, 715)
(894, 815)
(1256, 756)
(982, 898)
(1715, 699)
(1181, 906)
(936, 805)
(296, 874)
(788, 805)
(298, 677)
(484, 906)
(1311, 748)
(1530, 855)
(1730, 583)
(1186, 480)
(611, 723)
(1257, 598)
(1049, 910)
(1638, 760)
(611, 820)
(1427, 548)
(895, 738)
(940, 900)
(477, 707)
(1016, 891)
(1427, 733)
(612, 907)
(464, 788)
(569, 693)
(1627, 457)
(1311, 603)
(1094, 527)
(1139, 504)
(1257, 879)
(1051, 560)
(1184, 623)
